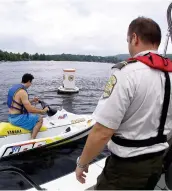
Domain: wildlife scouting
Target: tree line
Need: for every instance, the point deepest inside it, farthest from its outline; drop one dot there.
(9, 56)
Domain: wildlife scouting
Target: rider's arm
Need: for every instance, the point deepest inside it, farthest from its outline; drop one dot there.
(25, 101)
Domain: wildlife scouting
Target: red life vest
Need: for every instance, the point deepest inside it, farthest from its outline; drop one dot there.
(155, 61)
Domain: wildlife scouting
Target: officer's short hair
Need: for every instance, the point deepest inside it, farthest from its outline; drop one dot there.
(146, 29)
(27, 77)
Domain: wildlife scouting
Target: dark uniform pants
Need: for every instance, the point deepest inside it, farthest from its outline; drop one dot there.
(136, 173)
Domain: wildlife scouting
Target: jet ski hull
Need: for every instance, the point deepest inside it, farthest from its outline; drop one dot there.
(62, 128)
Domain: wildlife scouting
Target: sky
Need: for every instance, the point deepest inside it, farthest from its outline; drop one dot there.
(95, 27)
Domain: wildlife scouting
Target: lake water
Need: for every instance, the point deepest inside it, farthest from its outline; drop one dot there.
(49, 164)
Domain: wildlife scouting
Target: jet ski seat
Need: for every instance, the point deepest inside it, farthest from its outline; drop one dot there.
(9, 129)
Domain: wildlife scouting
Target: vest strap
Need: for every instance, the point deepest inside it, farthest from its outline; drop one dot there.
(160, 138)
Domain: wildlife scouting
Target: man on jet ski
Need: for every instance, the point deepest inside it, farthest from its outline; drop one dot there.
(21, 112)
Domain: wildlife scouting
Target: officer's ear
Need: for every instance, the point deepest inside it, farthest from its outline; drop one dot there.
(134, 39)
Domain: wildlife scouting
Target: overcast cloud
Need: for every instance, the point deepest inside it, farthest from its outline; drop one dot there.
(96, 27)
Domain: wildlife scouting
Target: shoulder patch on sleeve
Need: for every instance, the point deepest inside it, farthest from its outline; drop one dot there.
(120, 65)
(109, 86)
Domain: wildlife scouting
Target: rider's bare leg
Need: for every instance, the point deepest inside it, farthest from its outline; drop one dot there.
(37, 128)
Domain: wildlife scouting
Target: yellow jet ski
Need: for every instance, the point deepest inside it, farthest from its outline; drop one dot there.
(59, 127)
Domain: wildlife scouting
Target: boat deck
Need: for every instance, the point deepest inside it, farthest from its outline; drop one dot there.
(69, 181)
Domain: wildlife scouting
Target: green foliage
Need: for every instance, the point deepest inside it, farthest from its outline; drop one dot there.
(5, 56)
(9, 56)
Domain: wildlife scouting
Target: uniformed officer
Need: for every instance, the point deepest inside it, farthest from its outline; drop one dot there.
(133, 115)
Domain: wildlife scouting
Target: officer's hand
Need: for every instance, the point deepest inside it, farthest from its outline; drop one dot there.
(45, 109)
(80, 176)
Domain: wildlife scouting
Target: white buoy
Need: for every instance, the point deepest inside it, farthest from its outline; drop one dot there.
(68, 82)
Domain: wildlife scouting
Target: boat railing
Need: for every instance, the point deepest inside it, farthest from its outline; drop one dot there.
(22, 174)
(169, 32)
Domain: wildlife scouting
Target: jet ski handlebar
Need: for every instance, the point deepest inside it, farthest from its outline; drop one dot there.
(51, 111)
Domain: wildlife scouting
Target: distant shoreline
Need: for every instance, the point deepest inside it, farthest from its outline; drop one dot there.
(9, 56)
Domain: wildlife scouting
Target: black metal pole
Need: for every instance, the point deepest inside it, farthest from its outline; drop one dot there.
(23, 174)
